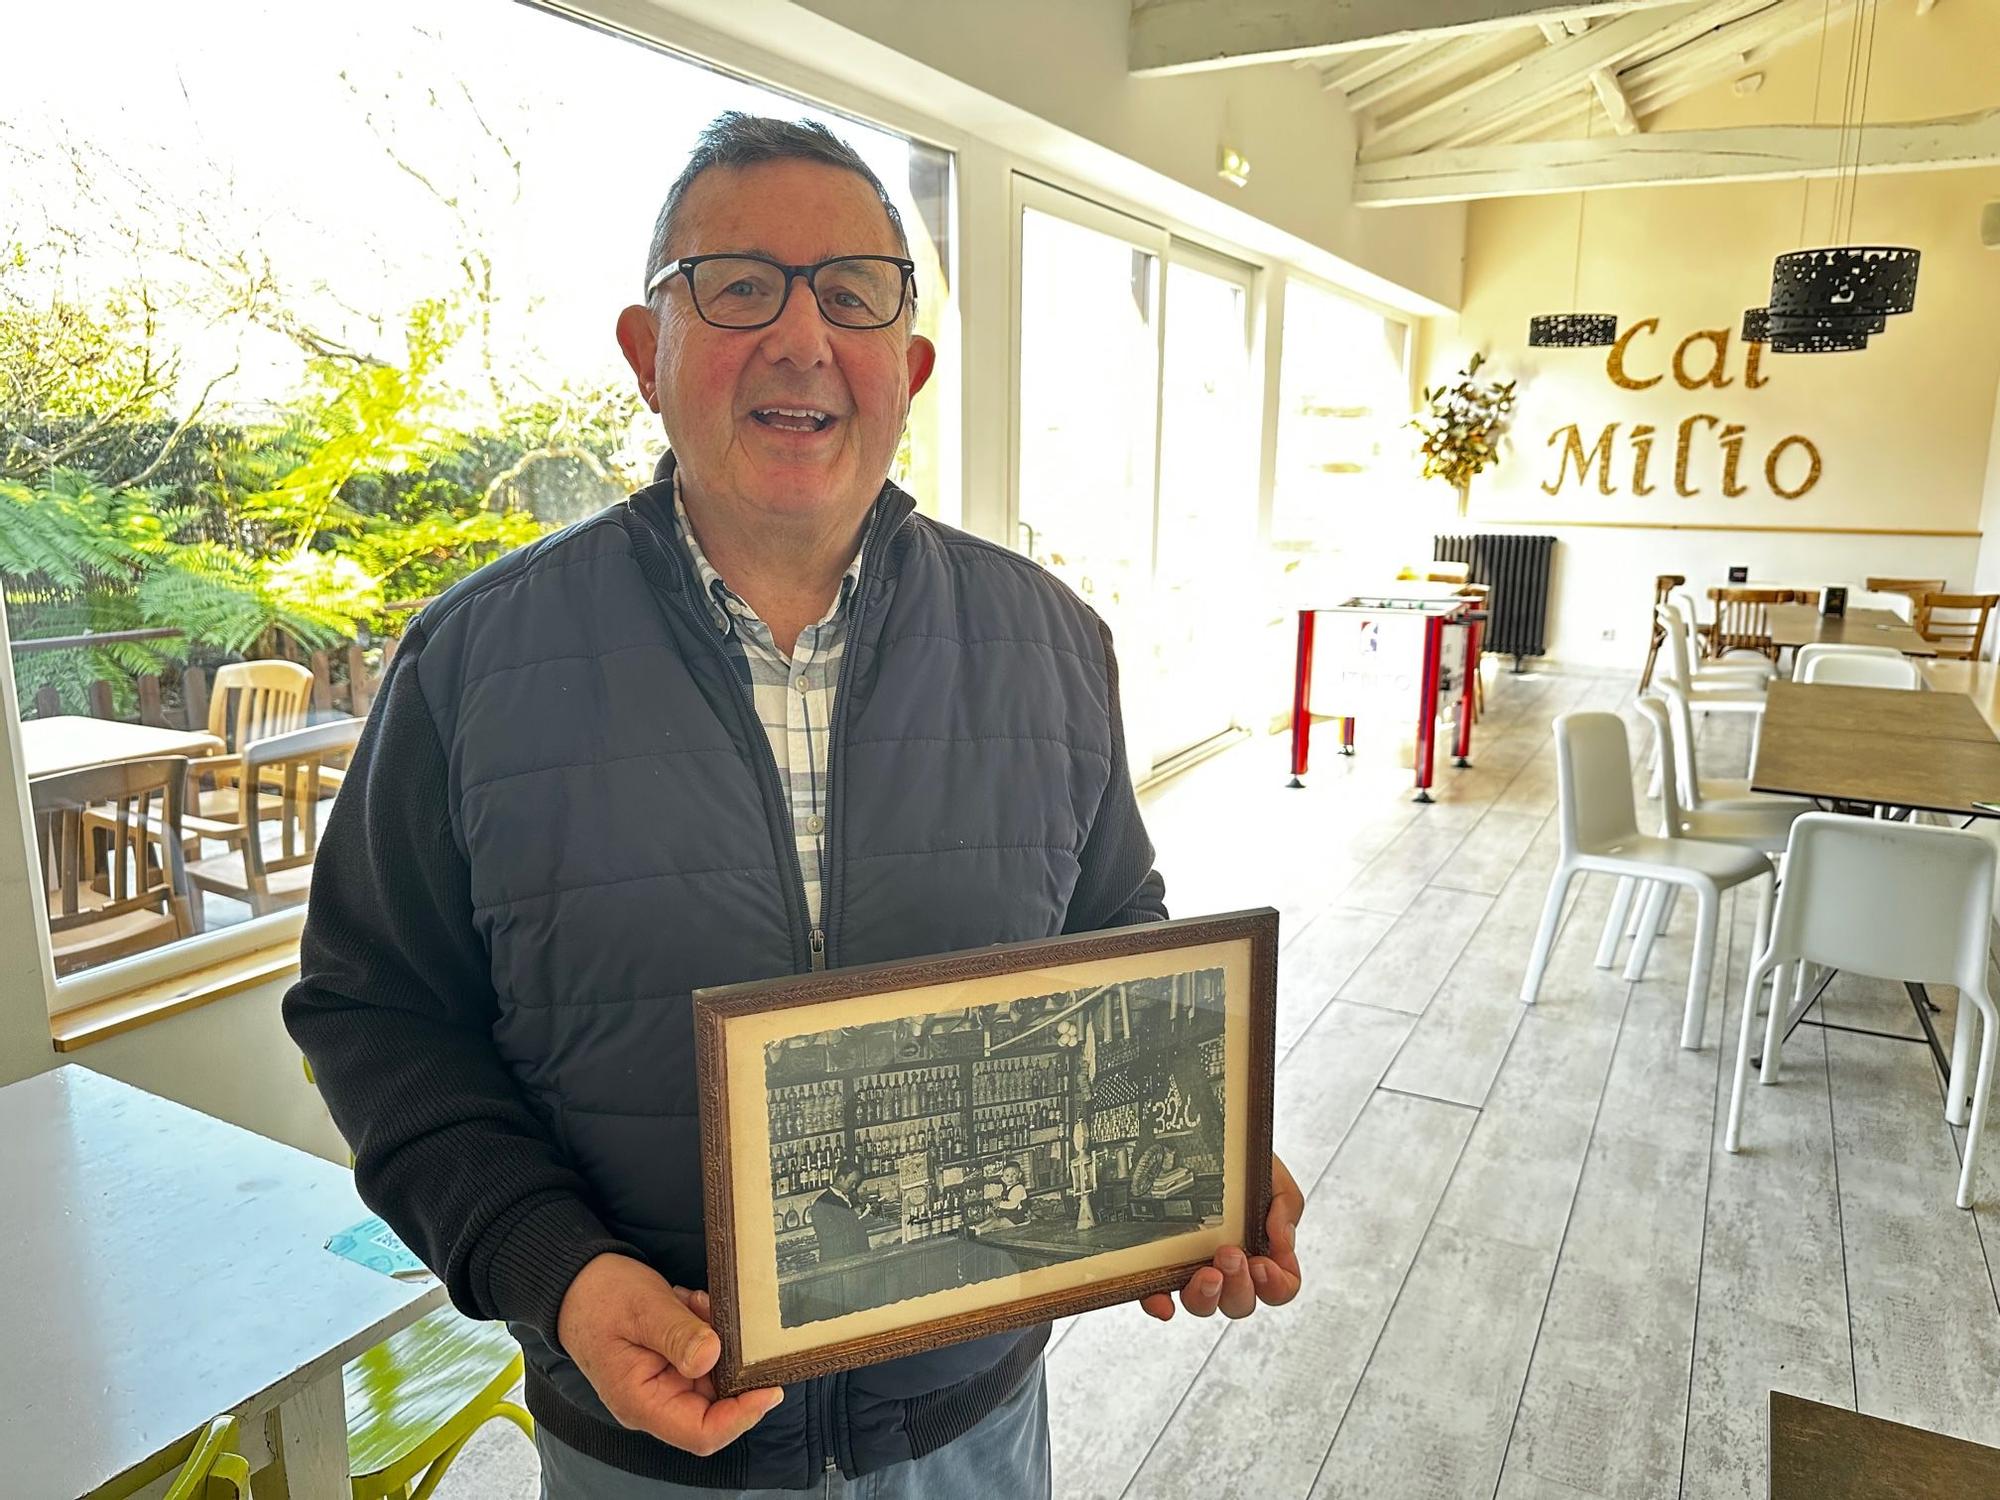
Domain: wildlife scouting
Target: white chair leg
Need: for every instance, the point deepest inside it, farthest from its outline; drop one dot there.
(1707, 901)
(1774, 1022)
(1545, 935)
(1667, 909)
(1981, 1092)
(1767, 897)
(1642, 893)
(1964, 1027)
(1733, 1139)
(1649, 928)
(1756, 734)
(1621, 902)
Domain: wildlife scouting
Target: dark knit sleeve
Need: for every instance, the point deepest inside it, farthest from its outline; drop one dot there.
(1118, 886)
(395, 1011)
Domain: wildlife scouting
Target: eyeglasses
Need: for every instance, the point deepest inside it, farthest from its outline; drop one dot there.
(750, 291)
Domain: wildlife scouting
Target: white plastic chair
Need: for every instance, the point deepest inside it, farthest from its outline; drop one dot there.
(1745, 668)
(1902, 606)
(1716, 694)
(1599, 823)
(1765, 827)
(1699, 793)
(1864, 669)
(1814, 649)
(1891, 900)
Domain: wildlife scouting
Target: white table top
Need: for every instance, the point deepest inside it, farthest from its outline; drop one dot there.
(159, 1267)
(68, 741)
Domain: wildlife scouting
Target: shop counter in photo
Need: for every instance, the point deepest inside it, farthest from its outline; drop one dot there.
(909, 1155)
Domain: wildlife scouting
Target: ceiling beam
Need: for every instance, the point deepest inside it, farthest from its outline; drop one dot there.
(1604, 83)
(1436, 58)
(1709, 47)
(1674, 159)
(1186, 36)
(1380, 65)
(1543, 77)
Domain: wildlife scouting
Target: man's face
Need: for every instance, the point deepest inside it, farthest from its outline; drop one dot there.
(849, 1183)
(716, 388)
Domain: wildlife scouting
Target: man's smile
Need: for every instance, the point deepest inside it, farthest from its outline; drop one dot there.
(793, 418)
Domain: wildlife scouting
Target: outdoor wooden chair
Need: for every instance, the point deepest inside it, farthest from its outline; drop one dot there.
(134, 808)
(1663, 588)
(250, 700)
(270, 871)
(1955, 623)
(1742, 619)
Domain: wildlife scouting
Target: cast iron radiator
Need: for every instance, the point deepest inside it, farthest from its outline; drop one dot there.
(1515, 570)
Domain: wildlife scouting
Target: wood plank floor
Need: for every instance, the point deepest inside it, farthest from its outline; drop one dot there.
(1531, 1269)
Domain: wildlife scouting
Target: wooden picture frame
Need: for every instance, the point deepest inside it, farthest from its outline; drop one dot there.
(1065, 1124)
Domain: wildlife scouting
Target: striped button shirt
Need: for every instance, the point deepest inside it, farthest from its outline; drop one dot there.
(793, 695)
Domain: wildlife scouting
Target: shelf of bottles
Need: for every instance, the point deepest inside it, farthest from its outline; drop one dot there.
(877, 1148)
(908, 1094)
(1014, 1127)
(807, 1110)
(805, 1165)
(1013, 1080)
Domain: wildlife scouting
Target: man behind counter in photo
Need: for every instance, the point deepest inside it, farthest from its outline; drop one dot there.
(761, 718)
(836, 1217)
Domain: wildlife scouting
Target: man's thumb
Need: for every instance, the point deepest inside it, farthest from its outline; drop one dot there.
(689, 1344)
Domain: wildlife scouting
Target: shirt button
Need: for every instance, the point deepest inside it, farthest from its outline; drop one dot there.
(803, 684)
(814, 823)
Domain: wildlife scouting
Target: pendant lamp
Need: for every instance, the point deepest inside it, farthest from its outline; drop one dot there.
(1575, 330)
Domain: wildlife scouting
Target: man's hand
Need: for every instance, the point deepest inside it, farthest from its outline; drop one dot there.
(646, 1348)
(1236, 1283)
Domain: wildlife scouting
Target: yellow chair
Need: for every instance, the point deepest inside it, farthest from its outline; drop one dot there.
(416, 1399)
(210, 1469)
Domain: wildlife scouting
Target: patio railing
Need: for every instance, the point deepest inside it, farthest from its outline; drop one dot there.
(345, 679)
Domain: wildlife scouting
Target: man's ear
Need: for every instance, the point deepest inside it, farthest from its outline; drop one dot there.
(639, 341)
(923, 359)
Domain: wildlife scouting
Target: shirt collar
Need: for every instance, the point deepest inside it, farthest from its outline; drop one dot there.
(725, 601)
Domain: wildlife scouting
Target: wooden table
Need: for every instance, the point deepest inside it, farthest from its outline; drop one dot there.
(1977, 681)
(1821, 1452)
(1883, 747)
(68, 742)
(1879, 747)
(162, 1267)
(1798, 625)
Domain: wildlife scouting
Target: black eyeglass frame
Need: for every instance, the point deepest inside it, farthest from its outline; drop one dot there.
(684, 267)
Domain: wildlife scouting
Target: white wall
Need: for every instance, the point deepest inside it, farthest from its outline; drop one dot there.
(1987, 578)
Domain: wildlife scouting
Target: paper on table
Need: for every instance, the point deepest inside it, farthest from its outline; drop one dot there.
(372, 1243)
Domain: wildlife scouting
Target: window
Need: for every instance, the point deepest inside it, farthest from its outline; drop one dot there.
(304, 315)
(1137, 466)
(1343, 398)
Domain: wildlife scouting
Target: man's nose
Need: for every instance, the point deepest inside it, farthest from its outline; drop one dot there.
(800, 335)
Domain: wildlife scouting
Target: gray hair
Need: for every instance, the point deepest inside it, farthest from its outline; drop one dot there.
(735, 139)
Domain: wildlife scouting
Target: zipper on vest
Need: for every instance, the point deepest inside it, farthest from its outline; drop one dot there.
(816, 940)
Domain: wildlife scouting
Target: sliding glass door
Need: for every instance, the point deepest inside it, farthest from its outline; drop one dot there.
(1136, 452)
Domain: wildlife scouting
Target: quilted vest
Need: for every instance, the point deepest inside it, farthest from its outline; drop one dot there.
(620, 812)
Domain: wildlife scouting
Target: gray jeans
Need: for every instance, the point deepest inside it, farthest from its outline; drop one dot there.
(1006, 1457)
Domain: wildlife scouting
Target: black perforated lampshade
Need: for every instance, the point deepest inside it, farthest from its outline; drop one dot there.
(1573, 330)
(1845, 281)
(1826, 341)
(1756, 325)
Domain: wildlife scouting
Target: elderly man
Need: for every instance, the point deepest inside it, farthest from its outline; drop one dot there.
(760, 719)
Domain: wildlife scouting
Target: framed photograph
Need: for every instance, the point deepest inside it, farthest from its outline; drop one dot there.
(903, 1156)
(1833, 601)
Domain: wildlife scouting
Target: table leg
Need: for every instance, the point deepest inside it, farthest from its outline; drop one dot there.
(1468, 705)
(308, 1443)
(1427, 696)
(1301, 698)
